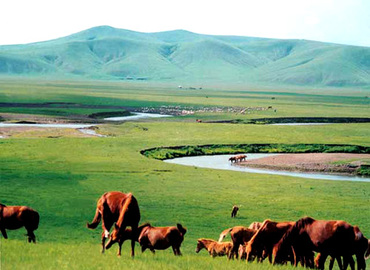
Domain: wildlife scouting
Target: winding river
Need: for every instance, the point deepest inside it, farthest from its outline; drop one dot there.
(221, 162)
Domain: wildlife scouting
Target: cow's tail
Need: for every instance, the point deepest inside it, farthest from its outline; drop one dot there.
(95, 221)
(181, 228)
(223, 234)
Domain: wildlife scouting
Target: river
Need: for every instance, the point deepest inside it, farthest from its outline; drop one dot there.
(221, 162)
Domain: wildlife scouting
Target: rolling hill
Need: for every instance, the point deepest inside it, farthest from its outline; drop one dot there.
(108, 53)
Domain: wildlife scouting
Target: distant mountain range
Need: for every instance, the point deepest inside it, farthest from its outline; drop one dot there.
(115, 54)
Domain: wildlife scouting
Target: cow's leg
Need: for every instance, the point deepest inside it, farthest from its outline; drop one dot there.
(31, 236)
(351, 262)
(105, 234)
(361, 264)
(339, 261)
(134, 235)
(119, 247)
(321, 261)
(3, 232)
(178, 251)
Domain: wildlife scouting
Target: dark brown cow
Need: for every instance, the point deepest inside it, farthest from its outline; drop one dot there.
(162, 238)
(239, 235)
(15, 217)
(334, 238)
(120, 208)
(215, 248)
(265, 238)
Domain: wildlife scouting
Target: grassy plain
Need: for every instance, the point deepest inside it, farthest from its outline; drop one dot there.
(63, 177)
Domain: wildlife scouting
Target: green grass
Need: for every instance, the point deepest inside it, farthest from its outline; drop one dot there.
(63, 177)
(287, 102)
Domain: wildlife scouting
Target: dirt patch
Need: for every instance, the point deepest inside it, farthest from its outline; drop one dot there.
(312, 162)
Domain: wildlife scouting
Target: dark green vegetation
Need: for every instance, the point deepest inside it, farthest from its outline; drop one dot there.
(63, 177)
(162, 153)
(188, 58)
(284, 120)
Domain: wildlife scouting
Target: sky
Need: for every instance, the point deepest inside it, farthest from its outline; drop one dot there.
(336, 21)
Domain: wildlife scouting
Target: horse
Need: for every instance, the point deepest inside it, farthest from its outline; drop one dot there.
(15, 217)
(234, 211)
(255, 225)
(232, 159)
(215, 248)
(334, 237)
(241, 158)
(265, 238)
(239, 235)
(116, 207)
(161, 238)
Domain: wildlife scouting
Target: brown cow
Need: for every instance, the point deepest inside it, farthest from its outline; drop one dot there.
(334, 238)
(15, 217)
(265, 238)
(239, 235)
(215, 248)
(162, 238)
(120, 208)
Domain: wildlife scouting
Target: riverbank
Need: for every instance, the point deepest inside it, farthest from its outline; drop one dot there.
(343, 163)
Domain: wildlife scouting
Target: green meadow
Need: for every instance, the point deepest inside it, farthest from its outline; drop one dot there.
(62, 178)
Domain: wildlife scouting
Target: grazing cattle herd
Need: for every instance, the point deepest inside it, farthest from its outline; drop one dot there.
(292, 242)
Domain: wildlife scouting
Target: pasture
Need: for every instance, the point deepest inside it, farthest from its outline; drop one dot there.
(62, 178)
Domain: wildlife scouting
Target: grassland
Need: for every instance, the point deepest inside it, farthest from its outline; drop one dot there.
(291, 102)
(63, 177)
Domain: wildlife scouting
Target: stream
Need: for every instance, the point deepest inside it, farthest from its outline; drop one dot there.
(221, 162)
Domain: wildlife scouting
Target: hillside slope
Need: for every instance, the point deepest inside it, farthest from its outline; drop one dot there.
(116, 54)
